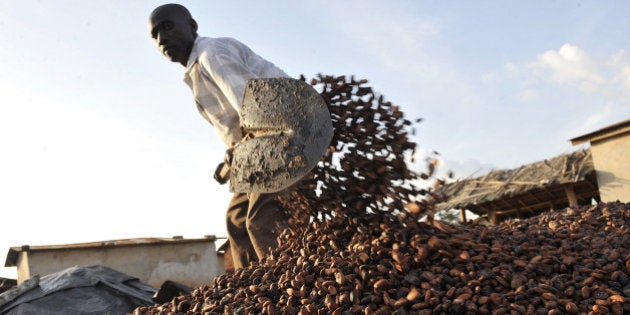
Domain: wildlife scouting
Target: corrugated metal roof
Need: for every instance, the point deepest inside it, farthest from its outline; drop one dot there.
(14, 252)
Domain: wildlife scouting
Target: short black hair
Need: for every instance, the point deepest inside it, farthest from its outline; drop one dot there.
(174, 7)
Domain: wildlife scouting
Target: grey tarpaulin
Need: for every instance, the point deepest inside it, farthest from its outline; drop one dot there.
(82, 290)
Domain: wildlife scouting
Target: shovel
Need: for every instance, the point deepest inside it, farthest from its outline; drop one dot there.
(286, 131)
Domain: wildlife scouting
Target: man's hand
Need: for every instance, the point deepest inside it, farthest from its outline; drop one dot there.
(222, 173)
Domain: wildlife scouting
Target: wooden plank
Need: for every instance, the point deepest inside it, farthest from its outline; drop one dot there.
(530, 208)
(498, 182)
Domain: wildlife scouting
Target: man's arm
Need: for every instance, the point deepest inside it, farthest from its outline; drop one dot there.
(231, 64)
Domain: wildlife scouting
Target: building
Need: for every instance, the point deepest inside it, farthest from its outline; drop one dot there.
(610, 147)
(565, 180)
(192, 262)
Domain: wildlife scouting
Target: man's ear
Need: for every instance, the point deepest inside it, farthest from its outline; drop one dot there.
(193, 26)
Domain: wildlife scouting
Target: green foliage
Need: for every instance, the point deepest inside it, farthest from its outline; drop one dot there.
(448, 216)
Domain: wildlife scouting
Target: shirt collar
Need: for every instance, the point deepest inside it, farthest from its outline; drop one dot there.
(194, 54)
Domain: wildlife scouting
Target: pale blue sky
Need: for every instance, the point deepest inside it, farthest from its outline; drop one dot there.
(101, 140)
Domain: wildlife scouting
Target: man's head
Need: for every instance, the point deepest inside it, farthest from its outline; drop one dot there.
(173, 31)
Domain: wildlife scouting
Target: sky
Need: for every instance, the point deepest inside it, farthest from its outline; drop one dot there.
(101, 140)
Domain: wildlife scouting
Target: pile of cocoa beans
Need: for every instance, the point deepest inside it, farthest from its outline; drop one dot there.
(356, 245)
(571, 261)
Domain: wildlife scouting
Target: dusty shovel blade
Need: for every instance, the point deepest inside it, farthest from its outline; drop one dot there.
(287, 130)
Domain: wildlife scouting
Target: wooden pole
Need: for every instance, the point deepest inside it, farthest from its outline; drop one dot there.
(462, 215)
(573, 202)
(492, 217)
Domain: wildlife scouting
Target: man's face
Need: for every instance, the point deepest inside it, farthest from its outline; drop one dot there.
(173, 33)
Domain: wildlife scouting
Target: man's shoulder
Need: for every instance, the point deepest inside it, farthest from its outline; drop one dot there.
(219, 41)
(213, 47)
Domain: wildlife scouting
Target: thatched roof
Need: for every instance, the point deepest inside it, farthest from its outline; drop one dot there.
(537, 185)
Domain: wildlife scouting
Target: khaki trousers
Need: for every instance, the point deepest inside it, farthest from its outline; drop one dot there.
(254, 222)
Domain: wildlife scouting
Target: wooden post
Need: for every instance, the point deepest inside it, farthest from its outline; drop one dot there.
(573, 202)
(462, 215)
(492, 217)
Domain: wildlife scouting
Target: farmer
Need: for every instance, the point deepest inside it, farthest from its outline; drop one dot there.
(217, 70)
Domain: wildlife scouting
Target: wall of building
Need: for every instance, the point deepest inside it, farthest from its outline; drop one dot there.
(611, 157)
(193, 264)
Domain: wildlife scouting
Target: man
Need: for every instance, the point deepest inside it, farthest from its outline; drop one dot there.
(217, 70)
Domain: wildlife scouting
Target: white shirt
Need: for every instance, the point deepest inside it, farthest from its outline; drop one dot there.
(217, 71)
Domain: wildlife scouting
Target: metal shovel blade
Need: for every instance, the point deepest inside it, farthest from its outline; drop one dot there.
(286, 131)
